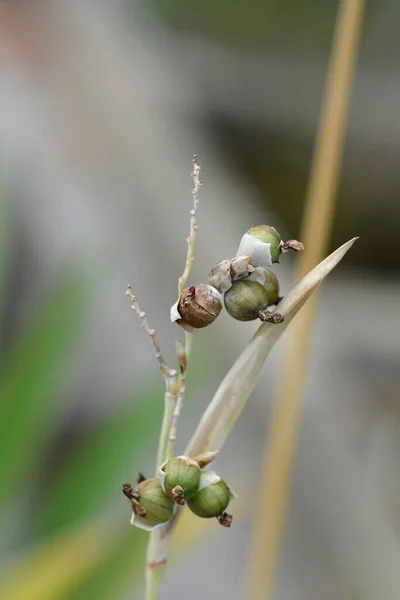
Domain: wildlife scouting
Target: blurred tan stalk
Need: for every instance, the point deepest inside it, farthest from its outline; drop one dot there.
(316, 231)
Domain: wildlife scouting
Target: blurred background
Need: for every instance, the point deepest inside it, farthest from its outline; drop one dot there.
(102, 105)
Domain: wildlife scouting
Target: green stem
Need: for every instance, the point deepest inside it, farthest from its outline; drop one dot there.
(157, 554)
(153, 581)
(154, 572)
(155, 568)
(172, 387)
(188, 346)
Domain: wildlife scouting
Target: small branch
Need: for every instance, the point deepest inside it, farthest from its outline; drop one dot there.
(171, 382)
(170, 400)
(142, 315)
(175, 416)
(182, 281)
(183, 355)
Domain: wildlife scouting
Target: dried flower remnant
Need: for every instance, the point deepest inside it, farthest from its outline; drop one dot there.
(181, 357)
(225, 520)
(224, 273)
(292, 245)
(206, 458)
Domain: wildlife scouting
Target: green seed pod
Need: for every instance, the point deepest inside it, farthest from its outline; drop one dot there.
(269, 281)
(150, 506)
(198, 306)
(263, 244)
(180, 478)
(212, 498)
(245, 299)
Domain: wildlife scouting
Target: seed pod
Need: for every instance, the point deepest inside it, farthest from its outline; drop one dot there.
(263, 244)
(150, 506)
(269, 281)
(245, 300)
(212, 498)
(229, 270)
(220, 277)
(198, 306)
(180, 478)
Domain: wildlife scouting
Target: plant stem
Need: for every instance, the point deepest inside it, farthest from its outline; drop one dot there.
(317, 227)
(160, 538)
(182, 281)
(171, 392)
(179, 398)
(154, 571)
(153, 582)
(157, 553)
(188, 345)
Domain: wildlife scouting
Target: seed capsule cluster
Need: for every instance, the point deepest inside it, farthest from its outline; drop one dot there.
(180, 479)
(244, 284)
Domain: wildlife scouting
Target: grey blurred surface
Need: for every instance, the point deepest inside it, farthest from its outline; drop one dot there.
(100, 117)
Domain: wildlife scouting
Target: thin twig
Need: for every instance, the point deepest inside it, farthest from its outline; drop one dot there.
(182, 281)
(184, 353)
(142, 315)
(175, 416)
(317, 226)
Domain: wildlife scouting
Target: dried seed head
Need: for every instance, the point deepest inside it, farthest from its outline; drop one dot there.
(220, 277)
(150, 506)
(240, 267)
(229, 270)
(245, 299)
(182, 472)
(212, 498)
(198, 306)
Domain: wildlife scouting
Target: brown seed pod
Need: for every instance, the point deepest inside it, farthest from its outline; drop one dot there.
(224, 273)
(198, 306)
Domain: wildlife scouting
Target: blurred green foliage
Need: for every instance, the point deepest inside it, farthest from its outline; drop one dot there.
(29, 378)
(255, 24)
(74, 514)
